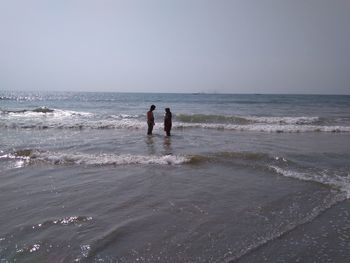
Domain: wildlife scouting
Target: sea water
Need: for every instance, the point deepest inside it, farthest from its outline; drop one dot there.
(248, 178)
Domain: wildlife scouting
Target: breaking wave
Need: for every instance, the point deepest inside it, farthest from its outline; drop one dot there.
(229, 156)
(61, 158)
(38, 112)
(289, 128)
(129, 123)
(46, 118)
(338, 181)
(262, 161)
(202, 118)
(285, 120)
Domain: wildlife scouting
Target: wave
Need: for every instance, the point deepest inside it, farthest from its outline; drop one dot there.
(5, 98)
(337, 179)
(38, 112)
(43, 110)
(266, 128)
(57, 158)
(61, 158)
(20, 98)
(203, 118)
(341, 182)
(239, 156)
(68, 123)
(258, 123)
(46, 118)
(125, 116)
(264, 161)
(284, 120)
(21, 159)
(30, 156)
(62, 121)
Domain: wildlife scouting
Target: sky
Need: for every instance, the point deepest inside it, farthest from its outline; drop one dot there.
(221, 46)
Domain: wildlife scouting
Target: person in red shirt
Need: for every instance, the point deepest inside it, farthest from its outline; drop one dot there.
(150, 120)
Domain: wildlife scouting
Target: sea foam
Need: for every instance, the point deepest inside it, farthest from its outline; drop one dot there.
(58, 158)
(341, 182)
(288, 128)
(46, 118)
(203, 118)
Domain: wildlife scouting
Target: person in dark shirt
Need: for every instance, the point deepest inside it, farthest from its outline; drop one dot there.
(150, 119)
(167, 121)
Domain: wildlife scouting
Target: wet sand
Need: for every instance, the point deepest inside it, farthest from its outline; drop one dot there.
(325, 239)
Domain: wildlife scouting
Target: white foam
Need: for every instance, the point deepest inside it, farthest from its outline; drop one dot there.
(34, 248)
(76, 120)
(340, 182)
(68, 113)
(124, 116)
(107, 159)
(20, 161)
(265, 127)
(94, 159)
(283, 120)
(115, 124)
(54, 113)
(71, 220)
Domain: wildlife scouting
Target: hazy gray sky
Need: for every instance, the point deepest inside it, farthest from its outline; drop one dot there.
(237, 46)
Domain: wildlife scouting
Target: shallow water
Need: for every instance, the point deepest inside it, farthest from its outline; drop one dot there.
(80, 180)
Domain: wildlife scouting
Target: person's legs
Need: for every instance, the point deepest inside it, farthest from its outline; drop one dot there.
(150, 129)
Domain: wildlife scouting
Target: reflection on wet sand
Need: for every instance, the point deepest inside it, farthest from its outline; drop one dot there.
(153, 141)
(150, 145)
(167, 145)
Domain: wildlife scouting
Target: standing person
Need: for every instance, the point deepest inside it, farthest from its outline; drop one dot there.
(167, 121)
(150, 119)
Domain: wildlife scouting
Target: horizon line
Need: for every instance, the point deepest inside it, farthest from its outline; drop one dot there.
(189, 93)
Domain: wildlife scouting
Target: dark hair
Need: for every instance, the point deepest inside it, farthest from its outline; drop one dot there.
(167, 109)
(152, 107)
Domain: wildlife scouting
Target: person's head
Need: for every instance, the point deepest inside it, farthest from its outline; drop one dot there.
(152, 108)
(167, 109)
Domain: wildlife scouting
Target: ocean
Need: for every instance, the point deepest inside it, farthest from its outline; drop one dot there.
(243, 178)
